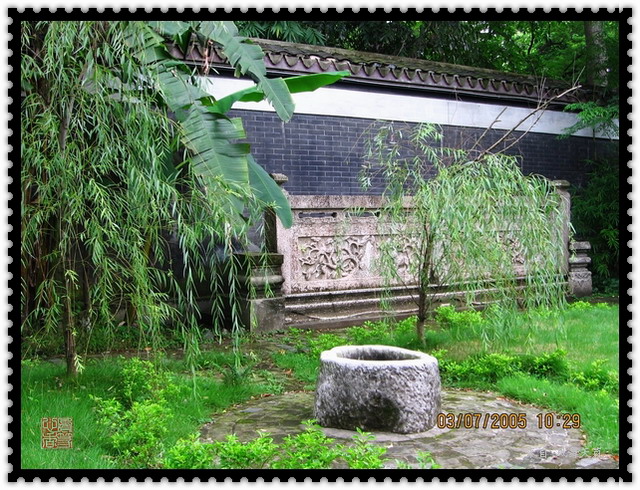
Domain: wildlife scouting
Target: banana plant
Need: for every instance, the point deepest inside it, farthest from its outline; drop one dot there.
(206, 132)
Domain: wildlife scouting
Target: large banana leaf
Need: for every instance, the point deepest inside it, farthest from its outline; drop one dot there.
(248, 59)
(302, 83)
(270, 193)
(208, 138)
(177, 87)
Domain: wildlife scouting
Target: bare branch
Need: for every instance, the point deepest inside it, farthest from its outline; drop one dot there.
(542, 106)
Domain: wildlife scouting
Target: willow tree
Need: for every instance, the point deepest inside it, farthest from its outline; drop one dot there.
(122, 153)
(476, 226)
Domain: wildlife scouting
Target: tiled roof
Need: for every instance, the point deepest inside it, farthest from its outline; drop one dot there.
(290, 59)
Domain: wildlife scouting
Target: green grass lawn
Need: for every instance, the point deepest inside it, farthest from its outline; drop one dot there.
(586, 334)
(47, 392)
(579, 336)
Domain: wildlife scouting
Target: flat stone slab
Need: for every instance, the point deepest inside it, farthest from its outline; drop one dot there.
(457, 448)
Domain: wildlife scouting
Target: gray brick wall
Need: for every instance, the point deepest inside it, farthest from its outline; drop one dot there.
(323, 154)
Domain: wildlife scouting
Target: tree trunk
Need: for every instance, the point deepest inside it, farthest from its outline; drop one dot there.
(596, 66)
(70, 351)
(423, 281)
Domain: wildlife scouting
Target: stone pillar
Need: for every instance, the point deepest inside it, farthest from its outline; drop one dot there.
(579, 274)
(562, 188)
(271, 220)
(263, 307)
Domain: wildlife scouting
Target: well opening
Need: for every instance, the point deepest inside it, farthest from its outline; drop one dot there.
(381, 353)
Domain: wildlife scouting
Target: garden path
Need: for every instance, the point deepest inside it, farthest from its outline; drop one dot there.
(461, 448)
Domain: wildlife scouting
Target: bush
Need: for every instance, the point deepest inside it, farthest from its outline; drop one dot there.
(233, 454)
(137, 425)
(448, 317)
(310, 449)
(596, 377)
(595, 217)
(324, 342)
(189, 453)
(140, 434)
(550, 365)
(363, 454)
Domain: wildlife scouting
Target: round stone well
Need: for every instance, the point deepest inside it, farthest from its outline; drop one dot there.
(377, 387)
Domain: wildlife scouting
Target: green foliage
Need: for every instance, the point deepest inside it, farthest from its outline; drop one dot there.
(142, 380)
(189, 454)
(596, 218)
(134, 186)
(487, 369)
(448, 316)
(324, 342)
(424, 459)
(596, 377)
(371, 333)
(310, 449)
(233, 454)
(362, 454)
(544, 49)
(476, 222)
(291, 31)
(460, 322)
(547, 365)
(138, 426)
(304, 366)
(140, 431)
(602, 119)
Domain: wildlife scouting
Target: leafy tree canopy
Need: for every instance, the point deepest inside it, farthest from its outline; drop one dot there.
(553, 49)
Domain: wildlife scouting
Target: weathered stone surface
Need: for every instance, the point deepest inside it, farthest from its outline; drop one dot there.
(580, 284)
(376, 387)
(460, 448)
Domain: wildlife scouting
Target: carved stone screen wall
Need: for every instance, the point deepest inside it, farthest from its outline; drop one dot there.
(329, 270)
(327, 255)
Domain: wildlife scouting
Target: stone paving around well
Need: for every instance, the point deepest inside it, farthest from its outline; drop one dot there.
(457, 448)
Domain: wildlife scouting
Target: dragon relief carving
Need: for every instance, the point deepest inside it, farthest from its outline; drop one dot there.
(332, 257)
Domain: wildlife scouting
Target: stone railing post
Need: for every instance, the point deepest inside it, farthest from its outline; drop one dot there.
(262, 307)
(579, 274)
(562, 188)
(271, 220)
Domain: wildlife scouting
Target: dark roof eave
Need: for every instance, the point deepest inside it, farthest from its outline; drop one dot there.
(521, 89)
(415, 87)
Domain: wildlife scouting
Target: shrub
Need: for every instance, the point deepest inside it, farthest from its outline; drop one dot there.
(371, 333)
(136, 427)
(447, 316)
(488, 368)
(362, 454)
(549, 365)
(189, 453)
(595, 216)
(579, 305)
(141, 434)
(596, 377)
(425, 462)
(324, 342)
(232, 453)
(310, 449)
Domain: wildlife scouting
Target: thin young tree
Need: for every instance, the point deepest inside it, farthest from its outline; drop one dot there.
(477, 226)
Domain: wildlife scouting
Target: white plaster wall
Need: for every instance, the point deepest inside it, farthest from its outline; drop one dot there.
(334, 101)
